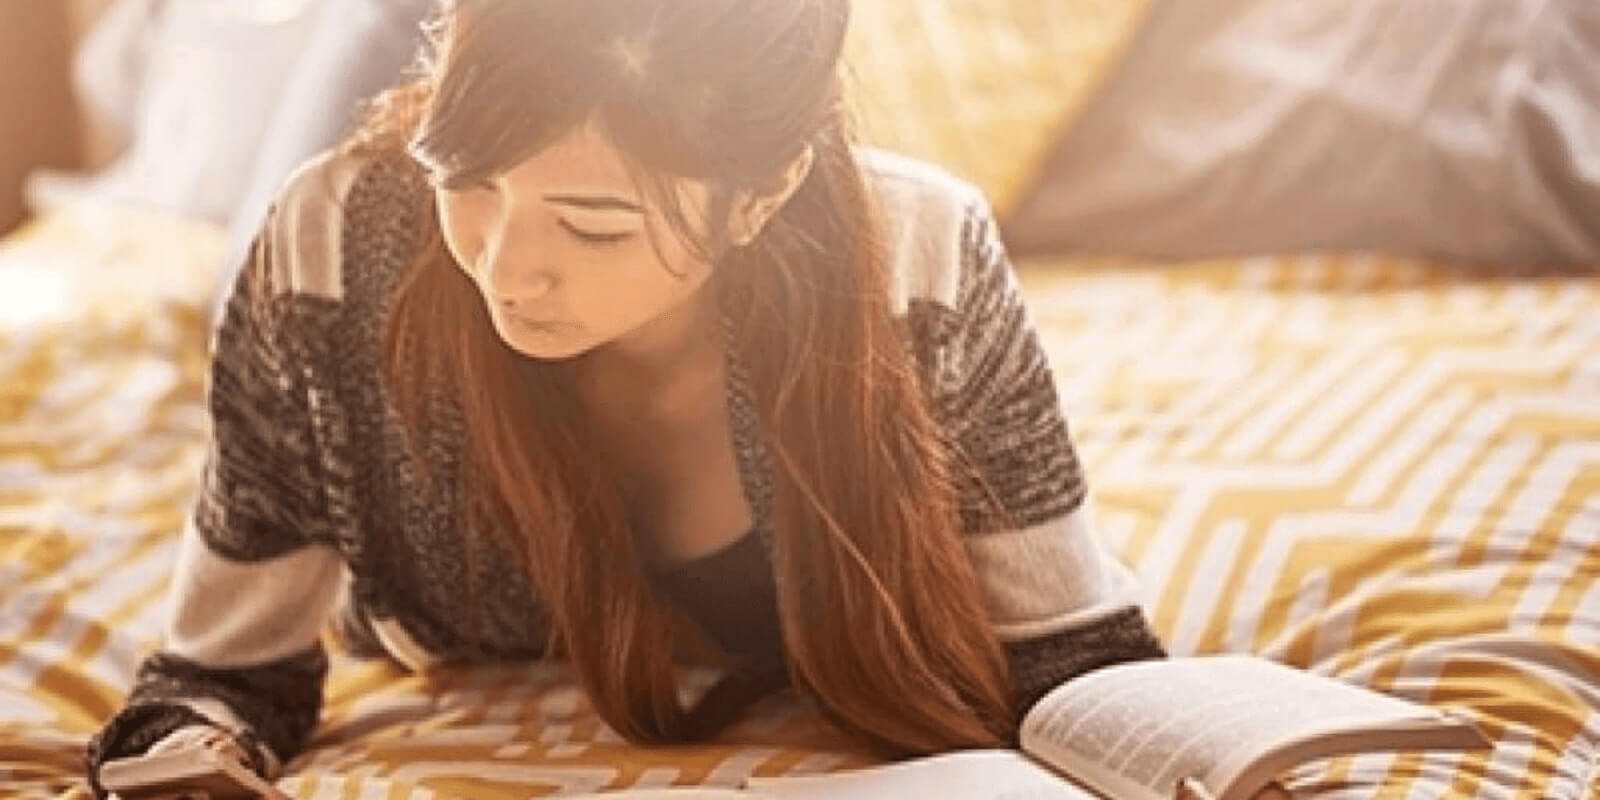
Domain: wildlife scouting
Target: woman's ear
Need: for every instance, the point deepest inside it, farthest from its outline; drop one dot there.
(752, 213)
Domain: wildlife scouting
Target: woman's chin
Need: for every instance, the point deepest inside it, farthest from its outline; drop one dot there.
(546, 344)
(549, 351)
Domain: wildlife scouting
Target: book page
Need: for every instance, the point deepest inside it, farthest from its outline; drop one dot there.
(1137, 729)
(969, 775)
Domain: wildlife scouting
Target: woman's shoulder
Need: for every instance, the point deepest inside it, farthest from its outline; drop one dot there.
(321, 221)
(931, 221)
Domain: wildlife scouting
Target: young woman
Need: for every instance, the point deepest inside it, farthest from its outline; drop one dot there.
(600, 341)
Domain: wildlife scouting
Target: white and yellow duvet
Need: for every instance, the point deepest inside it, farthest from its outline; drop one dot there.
(1374, 469)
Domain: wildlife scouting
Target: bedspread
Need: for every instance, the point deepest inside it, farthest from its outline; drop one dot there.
(1379, 470)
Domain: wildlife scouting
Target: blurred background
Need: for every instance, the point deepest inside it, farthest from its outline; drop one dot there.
(1461, 129)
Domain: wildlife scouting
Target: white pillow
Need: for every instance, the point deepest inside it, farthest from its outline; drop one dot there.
(1461, 129)
(210, 79)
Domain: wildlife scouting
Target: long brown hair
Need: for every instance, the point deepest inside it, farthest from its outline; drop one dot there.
(881, 614)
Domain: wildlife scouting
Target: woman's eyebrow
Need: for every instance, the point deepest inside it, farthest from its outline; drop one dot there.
(594, 202)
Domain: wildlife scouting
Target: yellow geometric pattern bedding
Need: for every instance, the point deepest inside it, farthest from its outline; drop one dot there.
(1371, 468)
(1367, 467)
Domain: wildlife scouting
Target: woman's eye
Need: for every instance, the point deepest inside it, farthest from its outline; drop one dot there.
(595, 239)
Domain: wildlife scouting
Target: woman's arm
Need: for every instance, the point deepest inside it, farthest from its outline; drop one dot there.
(257, 573)
(1060, 603)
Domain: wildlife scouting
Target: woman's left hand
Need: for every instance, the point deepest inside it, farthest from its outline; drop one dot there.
(1192, 790)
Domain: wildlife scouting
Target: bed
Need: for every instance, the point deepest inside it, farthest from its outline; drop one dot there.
(1380, 468)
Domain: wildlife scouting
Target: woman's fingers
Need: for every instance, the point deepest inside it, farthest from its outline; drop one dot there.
(222, 742)
(1191, 789)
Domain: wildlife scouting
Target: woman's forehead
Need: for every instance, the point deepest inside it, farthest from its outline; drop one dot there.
(584, 163)
(581, 160)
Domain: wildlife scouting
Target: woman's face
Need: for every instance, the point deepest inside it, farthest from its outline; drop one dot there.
(561, 246)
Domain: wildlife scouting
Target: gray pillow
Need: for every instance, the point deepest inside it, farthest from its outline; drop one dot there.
(1466, 130)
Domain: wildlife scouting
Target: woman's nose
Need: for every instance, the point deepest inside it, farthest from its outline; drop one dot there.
(509, 280)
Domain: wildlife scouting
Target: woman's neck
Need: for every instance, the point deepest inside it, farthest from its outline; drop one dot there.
(666, 369)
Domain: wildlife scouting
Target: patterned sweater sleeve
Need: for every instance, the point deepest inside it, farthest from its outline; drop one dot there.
(256, 575)
(1061, 604)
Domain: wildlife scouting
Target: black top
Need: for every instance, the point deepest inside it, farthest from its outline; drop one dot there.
(732, 595)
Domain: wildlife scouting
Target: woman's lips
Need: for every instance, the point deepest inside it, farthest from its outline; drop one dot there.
(535, 324)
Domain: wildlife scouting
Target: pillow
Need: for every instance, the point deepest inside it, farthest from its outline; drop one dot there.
(209, 75)
(1466, 130)
(981, 87)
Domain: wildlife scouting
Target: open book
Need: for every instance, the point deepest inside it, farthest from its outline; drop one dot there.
(1133, 731)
